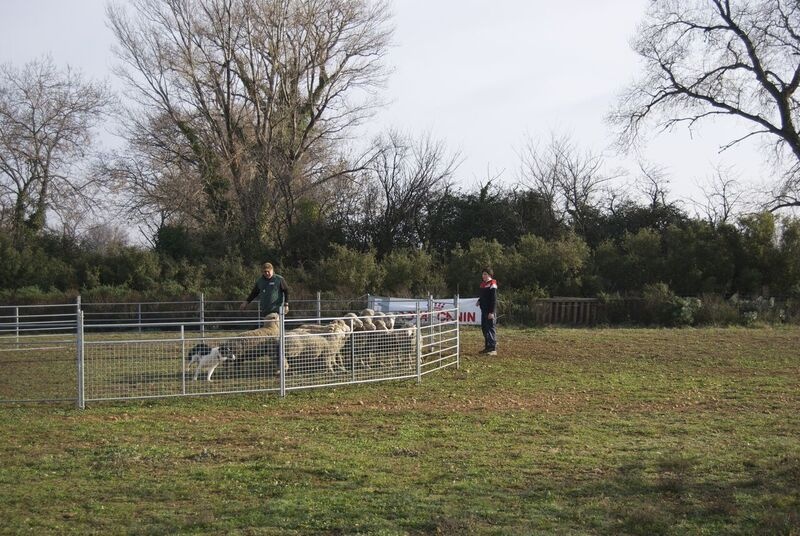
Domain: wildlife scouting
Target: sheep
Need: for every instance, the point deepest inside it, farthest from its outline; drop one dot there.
(336, 335)
(405, 341)
(379, 322)
(316, 348)
(359, 341)
(356, 326)
(352, 319)
(383, 342)
(366, 318)
(313, 328)
(371, 347)
(336, 342)
(256, 343)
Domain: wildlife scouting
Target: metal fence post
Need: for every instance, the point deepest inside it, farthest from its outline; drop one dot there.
(419, 345)
(282, 351)
(183, 361)
(434, 336)
(139, 315)
(319, 307)
(81, 401)
(458, 332)
(202, 315)
(352, 352)
(16, 324)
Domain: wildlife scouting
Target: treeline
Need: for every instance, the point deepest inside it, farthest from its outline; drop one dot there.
(440, 251)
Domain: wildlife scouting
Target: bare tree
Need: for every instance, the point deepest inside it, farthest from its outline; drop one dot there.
(405, 178)
(257, 97)
(539, 171)
(731, 58)
(47, 118)
(105, 237)
(566, 176)
(723, 197)
(653, 182)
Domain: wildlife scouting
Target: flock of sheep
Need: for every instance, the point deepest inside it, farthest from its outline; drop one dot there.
(366, 340)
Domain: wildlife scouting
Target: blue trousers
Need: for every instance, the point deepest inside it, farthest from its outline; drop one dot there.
(489, 329)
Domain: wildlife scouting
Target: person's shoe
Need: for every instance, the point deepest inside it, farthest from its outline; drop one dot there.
(491, 352)
(484, 351)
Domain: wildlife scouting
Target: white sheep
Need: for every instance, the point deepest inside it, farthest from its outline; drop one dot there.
(405, 341)
(353, 320)
(303, 347)
(256, 343)
(366, 318)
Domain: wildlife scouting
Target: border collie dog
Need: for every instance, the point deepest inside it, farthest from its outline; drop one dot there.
(204, 357)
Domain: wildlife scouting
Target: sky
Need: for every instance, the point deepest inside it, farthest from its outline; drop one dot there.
(481, 76)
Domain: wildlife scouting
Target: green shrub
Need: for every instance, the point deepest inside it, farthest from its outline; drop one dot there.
(111, 294)
(464, 268)
(519, 306)
(350, 272)
(662, 307)
(555, 265)
(716, 311)
(32, 295)
(684, 311)
(411, 273)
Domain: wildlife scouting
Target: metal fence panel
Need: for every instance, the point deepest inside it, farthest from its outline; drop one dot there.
(318, 353)
(38, 349)
(92, 361)
(40, 367)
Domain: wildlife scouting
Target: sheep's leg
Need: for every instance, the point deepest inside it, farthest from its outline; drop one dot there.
(339, 362)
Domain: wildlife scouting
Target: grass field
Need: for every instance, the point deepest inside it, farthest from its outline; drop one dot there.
(606, 431)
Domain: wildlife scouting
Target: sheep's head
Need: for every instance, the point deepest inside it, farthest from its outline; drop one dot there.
(352, 319)
(271, 319)
(341, 326)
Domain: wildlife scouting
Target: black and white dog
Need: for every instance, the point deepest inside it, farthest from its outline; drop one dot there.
(204, 357)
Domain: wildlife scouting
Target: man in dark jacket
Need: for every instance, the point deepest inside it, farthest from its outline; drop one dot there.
(271, 290)
(487, 301)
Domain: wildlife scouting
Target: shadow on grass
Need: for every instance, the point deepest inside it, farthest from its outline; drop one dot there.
(674, 493)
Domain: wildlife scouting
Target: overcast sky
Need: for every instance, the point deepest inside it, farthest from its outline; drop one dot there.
(479, 75)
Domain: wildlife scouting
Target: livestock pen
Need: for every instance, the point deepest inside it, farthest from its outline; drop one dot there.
(86, 353)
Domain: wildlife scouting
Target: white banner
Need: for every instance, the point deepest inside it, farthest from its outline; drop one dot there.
(468, 310)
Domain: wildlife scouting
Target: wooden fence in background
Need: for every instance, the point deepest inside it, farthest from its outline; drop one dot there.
(576, 311)
(563, 311)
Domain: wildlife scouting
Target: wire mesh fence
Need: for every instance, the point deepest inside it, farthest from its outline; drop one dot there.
(86, 360)
(38, 353)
